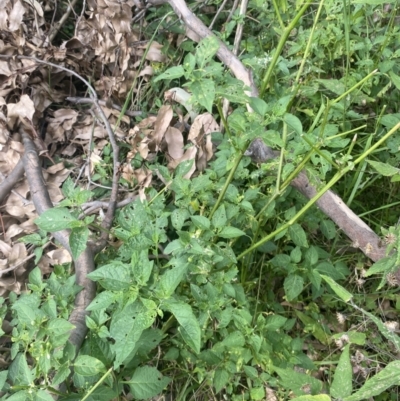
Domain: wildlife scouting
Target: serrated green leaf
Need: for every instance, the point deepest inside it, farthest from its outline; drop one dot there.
(147, 382)
(293, 286)
(78, 241)
(178, 218)
(294, 123)
(317, 329)
(342, 380)
(390, 335)
(382, 265)
(258, 105)
(341, 292)
(3, 378)
(102, 301)
(221, 378)
(231, 232)
(328, 228)
(19, 372)
(173, 246)
(189, 325)
(62, 373)
(171, 73)
(274, 322)
(86, 365)
(114, 276)
(257, 393)
(383, 168)
(201, 222)
(376, 385)
(53, 220)
(43, 396)
(203, 92)
(205, 50)
(219, 219)
(170, 279)
(319, 397)
(298, 235)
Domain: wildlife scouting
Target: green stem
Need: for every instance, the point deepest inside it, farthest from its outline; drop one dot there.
(311, 202)
(225, 187)
(97, 384)
(280, 46)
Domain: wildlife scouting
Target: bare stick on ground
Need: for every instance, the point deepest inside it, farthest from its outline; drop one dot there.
(362, 236)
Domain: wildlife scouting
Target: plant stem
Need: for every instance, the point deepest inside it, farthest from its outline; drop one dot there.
(311, 202)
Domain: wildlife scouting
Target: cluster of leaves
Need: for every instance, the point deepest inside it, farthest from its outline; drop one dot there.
(181, 303)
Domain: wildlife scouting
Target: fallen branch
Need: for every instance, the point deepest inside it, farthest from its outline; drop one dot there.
(83, 100)
(85, 262)
(361, 234)
(9, 182)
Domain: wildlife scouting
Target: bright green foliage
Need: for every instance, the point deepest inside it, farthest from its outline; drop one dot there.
(228, 283)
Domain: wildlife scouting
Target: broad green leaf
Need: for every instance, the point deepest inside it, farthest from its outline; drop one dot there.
(3, 378)
(328, 228)
(319, 397)
(292, 380)
(205, 50)
(390, 120)
(173, 246)
(126, 331)
(102, 301)
(171, 73)
(221, 378)
(59, 330)
(189, 325)
(141, 267)
(234, 340)
(315, 327)
(103, 393)
(298, 235)
(257, 393)
(376, 385)
(189, 63)
(382, 265)
(35, 277)
(294, 123)
(293, 286)
(20, 396)
(258, 105)
(86, 365)
(231, 232)
(390, 335)
(19, 373)
(114, 276)
(26, 315)
(274, 322)
(383, 168)
(203, 92)
(147, 382)
(315, 278)
(395, 79)
(373, 2)
(342, 380)
(78, 241)
(333, 85)
(201, 222)
(170, 279)
(62, 373)
(341, 292)
(178, 218)
(55, 220)
(43, 396)
(219, 219)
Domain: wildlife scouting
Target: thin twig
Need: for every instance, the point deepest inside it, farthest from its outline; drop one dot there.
(83, 100)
